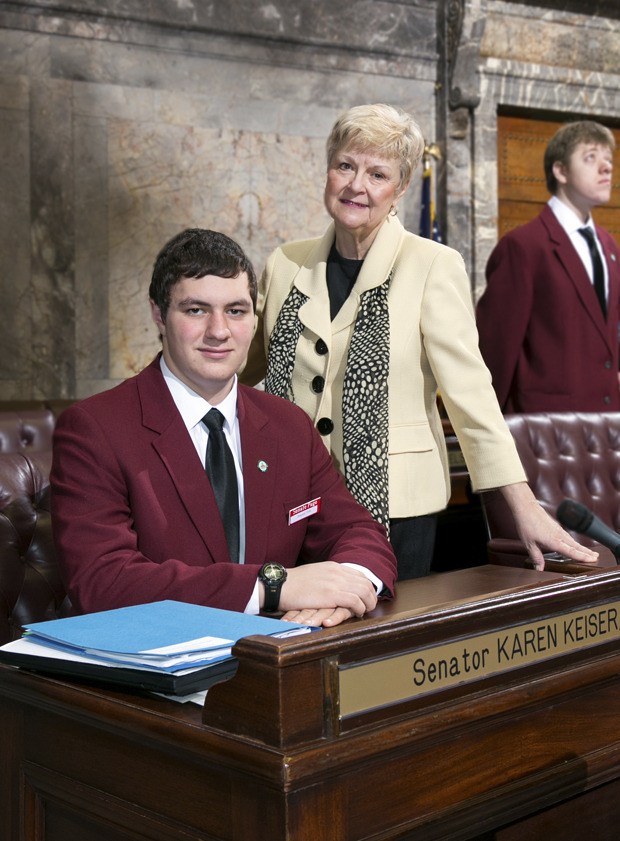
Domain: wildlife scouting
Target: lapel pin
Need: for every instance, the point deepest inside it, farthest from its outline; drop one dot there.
(262, 466)
(613, 257)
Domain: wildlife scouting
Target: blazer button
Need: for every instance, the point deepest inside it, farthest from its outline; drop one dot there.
(608, 364)
(320, 347)
(606, 400)
(325, 426)
(318, 384)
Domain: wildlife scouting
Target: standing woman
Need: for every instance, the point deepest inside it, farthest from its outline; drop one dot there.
(362, 326)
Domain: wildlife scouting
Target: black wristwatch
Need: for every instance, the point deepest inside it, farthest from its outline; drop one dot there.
(273, 577)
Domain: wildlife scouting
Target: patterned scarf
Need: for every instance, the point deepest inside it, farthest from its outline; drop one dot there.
(365, 391)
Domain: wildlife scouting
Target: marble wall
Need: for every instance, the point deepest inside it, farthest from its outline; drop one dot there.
(121, 127)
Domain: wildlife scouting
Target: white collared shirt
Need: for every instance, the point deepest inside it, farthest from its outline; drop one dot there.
(571, 223)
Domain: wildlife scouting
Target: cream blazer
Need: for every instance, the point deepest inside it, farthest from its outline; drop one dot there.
(434, 345)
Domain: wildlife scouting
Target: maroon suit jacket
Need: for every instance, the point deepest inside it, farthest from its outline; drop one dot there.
(134, 516)
(542, 332)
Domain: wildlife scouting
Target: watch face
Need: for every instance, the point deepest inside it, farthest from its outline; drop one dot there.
(274, 572)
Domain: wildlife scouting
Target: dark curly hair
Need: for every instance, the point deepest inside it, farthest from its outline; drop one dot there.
(197, 252)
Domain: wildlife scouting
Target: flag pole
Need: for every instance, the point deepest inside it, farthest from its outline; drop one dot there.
(428, 222)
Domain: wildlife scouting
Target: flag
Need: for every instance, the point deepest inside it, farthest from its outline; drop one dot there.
(428, 223)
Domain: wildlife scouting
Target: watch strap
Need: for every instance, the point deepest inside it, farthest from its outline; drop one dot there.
(272, 596)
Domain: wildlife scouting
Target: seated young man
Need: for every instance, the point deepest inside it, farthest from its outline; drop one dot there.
(136, 517)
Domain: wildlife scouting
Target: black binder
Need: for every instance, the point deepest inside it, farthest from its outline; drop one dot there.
(152, 680)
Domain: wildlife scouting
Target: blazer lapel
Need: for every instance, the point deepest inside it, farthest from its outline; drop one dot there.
(575, 272)
(178, 454)
(311, 280)
(375, 270)
(610, 251)
(260, 456)
(382, 255)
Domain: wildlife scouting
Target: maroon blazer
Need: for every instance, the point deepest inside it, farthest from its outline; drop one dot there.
(542, 332)
(135, 520)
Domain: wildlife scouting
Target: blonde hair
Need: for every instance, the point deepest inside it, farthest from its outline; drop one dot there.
(392, 132)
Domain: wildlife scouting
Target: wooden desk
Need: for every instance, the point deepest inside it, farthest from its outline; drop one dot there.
(288, 750)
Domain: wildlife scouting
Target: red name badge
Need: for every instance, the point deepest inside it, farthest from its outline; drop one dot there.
(305, 510)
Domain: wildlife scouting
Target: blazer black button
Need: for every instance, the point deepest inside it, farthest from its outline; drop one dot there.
(318, 384)
(608, 364)
(320, 347)
(325, 426)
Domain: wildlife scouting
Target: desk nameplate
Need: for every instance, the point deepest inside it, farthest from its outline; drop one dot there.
(391, 680)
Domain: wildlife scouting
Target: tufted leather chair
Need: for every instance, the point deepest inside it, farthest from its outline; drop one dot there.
(30, 586)
(575, 455)
(28, 430)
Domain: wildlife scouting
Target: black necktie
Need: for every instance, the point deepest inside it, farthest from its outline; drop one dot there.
(597, 268)
(220, 467)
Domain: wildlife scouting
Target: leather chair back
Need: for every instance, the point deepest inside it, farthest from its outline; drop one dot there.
(565, 455)
(31, 589)
(26, 430)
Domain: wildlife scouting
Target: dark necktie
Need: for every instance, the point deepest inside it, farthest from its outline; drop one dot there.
(597, 268)
(220, 468)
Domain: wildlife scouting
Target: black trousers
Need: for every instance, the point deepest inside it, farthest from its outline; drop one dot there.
(413, 541)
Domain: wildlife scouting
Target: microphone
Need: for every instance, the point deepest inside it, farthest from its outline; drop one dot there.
(576, 517)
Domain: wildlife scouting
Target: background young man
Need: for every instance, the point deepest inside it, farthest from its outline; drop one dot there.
(548, 319)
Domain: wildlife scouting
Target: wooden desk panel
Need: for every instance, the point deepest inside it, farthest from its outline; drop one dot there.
(269, 757)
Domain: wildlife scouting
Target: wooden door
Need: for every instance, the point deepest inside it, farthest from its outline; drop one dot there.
(522, 191)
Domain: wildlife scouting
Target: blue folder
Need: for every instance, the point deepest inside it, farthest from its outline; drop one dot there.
(140, 628)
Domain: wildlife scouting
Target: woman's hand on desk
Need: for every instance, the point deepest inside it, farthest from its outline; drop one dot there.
(537, 529)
